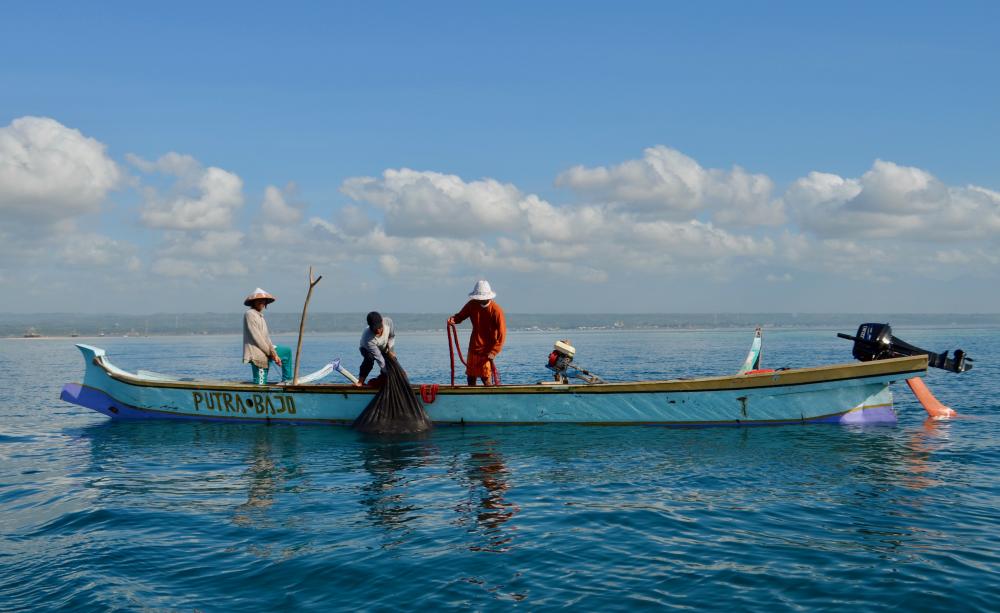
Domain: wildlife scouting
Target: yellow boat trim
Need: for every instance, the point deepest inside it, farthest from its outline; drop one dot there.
(905, 367)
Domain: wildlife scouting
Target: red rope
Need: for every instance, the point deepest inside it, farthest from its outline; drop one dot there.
(454, 346)
(429, 393)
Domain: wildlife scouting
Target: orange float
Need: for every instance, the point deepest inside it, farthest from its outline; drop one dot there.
(932, 405)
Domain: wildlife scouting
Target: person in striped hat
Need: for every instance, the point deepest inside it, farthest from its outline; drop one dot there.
(258, 349)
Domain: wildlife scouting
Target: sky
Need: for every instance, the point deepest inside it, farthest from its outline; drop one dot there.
(581, 156)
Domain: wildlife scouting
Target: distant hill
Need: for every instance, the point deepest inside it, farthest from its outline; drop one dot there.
(65, 324)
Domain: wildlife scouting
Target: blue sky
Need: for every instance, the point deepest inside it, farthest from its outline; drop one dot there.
(518, 94)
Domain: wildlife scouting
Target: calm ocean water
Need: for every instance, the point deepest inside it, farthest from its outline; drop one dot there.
(98, 515)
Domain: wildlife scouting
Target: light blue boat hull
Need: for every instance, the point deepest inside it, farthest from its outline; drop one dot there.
(850, 393)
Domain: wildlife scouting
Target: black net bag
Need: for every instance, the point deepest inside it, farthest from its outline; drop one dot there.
(395, 409)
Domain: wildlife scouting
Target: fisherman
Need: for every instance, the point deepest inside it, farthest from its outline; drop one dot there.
(488, 331)
(377, 341)
(258, 349)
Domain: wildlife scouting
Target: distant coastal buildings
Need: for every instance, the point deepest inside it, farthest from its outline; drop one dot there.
(73, 325)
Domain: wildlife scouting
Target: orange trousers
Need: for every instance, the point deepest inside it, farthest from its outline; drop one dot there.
(478, 366)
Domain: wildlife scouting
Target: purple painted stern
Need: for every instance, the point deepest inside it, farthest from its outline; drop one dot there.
(876, 415)
(99, 401)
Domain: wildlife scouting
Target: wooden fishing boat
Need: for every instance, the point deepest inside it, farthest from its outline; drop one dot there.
(855, 393)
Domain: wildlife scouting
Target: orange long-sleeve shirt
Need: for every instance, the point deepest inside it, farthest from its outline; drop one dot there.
(489, 330)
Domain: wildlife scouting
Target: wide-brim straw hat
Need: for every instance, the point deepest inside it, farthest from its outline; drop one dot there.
(259, 294)
(482, 291)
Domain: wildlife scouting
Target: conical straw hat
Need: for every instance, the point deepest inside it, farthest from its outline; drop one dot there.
(259, 294)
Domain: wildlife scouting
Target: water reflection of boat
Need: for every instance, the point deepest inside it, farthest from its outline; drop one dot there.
(385, 496)
(489, 481)
(272, 461)
(263, 480)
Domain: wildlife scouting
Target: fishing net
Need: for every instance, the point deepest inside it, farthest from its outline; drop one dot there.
(395, 409)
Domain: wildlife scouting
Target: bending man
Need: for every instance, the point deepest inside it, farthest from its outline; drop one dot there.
(377, 340)
(489, 331)
(257, 346)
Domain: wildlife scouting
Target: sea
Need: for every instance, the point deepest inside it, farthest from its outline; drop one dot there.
(99, 515)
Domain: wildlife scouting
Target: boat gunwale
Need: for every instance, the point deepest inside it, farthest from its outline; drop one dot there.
(911, 365)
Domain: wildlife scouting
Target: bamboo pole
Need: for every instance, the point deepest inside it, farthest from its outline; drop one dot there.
(302, 325)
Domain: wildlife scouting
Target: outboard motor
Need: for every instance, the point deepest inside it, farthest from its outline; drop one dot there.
(561, 362)
(560, 359)
(876, 342)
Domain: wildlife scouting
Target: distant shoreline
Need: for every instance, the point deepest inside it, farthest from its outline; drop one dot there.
(65, 325)
(403, 329)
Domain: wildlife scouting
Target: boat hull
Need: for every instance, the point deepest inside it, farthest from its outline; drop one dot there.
(850, 393)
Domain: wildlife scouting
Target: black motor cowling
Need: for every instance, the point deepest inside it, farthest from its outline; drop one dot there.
(875, 342)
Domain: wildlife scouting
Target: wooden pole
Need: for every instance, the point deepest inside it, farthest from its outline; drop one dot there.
(302, 325)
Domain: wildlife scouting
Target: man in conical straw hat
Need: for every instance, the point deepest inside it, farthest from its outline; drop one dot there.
(258, 349)
(489, 330)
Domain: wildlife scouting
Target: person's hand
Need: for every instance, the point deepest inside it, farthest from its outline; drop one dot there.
(276, 359)
(490, 355)
(451, 320)
(392, 354)
(359, 384)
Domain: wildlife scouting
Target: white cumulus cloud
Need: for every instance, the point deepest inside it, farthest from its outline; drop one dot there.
(665, 183)
(423, 203)
(439, 225)
(893, 202)
(279, 206)
(696, 240)
(660, 220)
(355, 220)
(200, 199)
(389, 264)
(51, 173)
(98, 251)
(203, 255)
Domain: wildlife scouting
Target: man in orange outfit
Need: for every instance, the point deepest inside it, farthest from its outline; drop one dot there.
(488, 331)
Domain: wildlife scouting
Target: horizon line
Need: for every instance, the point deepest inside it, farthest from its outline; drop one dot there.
(275, 312)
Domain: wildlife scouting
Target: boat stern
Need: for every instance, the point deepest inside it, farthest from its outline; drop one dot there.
(90, 398)
(877, 409)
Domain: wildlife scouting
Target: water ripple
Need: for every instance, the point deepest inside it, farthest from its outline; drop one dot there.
(217, 517)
